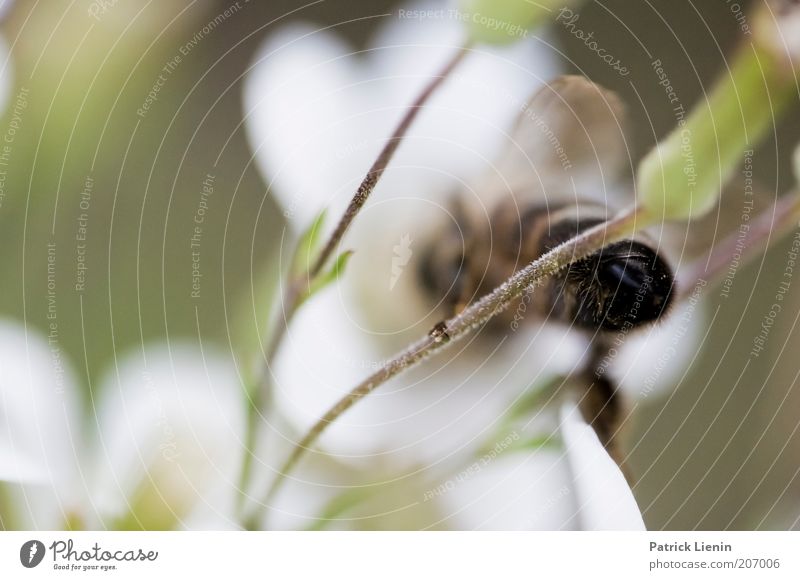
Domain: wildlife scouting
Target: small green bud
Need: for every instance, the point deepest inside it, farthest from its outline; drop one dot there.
(683, 176)
(325, 279)
(308, 246)
(506, 21)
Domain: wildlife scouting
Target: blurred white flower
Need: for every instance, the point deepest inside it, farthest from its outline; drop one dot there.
(579, 487)
(40, 433)
(170, 423)
(318, 112)
(159, 447)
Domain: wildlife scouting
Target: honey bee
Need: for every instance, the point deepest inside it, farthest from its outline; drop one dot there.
(625, 285)
(547, 187)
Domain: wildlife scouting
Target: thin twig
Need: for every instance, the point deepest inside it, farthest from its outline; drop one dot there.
(293, 291)
(470, 319)
(773, 222)
(261, 395)
(379, 166)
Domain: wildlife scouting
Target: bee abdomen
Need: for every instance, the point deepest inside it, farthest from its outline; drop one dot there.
(624, 285)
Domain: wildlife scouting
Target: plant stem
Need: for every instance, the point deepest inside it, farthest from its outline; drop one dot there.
(379, 166)
(261, 395)
(771, 223)
(293, 292)
(470, 319)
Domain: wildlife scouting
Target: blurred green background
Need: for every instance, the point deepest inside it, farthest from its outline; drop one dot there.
(707, 460)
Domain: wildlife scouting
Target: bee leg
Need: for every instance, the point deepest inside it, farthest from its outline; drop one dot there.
(463, 239)
(603, 408)
(464, 291)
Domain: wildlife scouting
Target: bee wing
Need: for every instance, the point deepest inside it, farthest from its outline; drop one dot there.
(568, 140)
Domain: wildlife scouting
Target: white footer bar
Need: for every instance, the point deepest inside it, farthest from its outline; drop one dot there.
(401, 555)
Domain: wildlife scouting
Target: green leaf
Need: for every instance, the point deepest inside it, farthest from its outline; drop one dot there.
(326, 278)
(506, 21)
(250, 317)
(683, 176)
(340, 505)
(308, 247)
(534, 398)
(550, 441)
(510, 441)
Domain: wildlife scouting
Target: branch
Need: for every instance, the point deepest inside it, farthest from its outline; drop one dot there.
(470, 319)
(294, 289)
(771, 223)
(379, 166)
